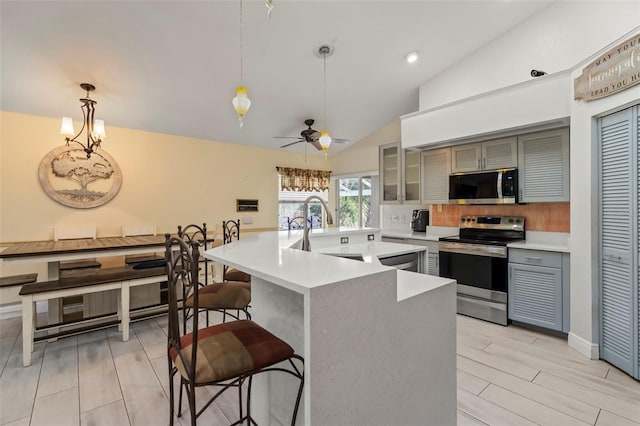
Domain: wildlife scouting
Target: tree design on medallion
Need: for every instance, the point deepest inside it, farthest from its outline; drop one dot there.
(72, 179)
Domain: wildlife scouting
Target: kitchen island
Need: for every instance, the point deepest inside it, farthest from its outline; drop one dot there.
(378, 342)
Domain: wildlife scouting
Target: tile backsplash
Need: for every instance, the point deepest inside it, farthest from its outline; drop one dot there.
(549, 217)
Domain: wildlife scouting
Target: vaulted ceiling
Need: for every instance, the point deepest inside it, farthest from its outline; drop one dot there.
(172, 66)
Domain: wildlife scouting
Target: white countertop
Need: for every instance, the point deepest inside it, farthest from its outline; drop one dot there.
(269, 255)
(547, 241)
(433, 233)
(371, 251)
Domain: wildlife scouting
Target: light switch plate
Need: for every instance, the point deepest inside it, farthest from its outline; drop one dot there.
(371, 237)
(344, 240)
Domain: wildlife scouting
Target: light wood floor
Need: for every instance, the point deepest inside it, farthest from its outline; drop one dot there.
(506, 376)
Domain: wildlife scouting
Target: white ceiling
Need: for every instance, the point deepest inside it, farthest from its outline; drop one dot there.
(172, 66)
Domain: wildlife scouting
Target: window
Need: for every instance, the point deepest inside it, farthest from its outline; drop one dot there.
(357, 201)
(291, 198)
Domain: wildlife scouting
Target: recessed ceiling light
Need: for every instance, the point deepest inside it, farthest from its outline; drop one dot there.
(411, 57)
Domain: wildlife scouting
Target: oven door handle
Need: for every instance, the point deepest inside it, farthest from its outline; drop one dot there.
(473, 249)
(499, 186)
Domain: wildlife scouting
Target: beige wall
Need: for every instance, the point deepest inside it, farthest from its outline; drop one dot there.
(363, 156)
(167, 180)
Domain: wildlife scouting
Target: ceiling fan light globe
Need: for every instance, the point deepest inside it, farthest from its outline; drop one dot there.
(325, 140)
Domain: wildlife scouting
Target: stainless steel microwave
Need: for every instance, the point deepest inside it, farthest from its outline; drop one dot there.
(486, 187)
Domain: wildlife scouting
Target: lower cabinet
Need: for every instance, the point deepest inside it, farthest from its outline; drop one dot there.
(539, 288)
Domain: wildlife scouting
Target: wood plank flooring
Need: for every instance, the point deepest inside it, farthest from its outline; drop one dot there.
(506, 376)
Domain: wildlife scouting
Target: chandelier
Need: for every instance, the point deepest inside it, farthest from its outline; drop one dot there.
(95, 128)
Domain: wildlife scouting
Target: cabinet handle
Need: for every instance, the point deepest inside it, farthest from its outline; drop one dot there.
(484, 163)
(612, 257)
(534, 259)
(478, 163)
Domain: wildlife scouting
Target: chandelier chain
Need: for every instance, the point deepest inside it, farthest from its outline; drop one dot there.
(324, 61)
(241, 48)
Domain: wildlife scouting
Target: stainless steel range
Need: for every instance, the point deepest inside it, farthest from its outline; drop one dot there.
(478, 260)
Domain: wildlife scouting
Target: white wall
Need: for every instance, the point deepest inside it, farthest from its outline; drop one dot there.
(562, 36)
(557, 38)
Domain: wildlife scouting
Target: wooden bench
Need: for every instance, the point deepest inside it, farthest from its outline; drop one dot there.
(95, 280)
(18, 280)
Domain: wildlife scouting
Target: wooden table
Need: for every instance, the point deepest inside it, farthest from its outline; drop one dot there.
(53, 252)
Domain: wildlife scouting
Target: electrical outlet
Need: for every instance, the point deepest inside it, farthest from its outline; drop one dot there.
(371, 237)
(344, 240)
(439, 208)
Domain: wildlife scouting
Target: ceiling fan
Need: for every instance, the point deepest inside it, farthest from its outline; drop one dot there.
(309, 135)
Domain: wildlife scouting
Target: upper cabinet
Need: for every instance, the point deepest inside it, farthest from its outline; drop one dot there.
(543, 166)
(436, 168)
(399, 175)
(390, 173)
(411, 176)
(488, 155)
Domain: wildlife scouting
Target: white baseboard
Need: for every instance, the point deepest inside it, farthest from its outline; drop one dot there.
(13, 311)
(584, 347)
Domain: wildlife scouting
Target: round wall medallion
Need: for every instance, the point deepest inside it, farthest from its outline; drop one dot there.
(72, 179)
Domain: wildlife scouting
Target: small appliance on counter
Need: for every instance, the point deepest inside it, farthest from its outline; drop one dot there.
(420, 220)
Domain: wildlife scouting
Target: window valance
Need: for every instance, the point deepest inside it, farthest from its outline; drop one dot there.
(304, 179)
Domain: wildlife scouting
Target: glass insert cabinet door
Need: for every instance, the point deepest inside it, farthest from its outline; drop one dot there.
(390, 173)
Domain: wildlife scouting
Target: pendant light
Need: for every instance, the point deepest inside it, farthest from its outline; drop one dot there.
(95, 133)
(241, 102)
(325, 138)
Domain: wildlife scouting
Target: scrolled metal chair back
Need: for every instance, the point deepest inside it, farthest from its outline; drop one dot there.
(231, 230)
(182, 271)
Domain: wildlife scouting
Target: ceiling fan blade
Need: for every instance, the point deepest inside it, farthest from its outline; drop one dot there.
(287, 137)
(292, 143)
(317, 145)
(340, 140)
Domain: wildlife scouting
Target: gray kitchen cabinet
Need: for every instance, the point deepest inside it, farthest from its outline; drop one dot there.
(399, 175)
(390, 189)
(539, 288)
(436, 168)
(543, 166)
(488, 155)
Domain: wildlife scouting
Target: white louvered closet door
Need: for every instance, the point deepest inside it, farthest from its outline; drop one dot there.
(618, 240)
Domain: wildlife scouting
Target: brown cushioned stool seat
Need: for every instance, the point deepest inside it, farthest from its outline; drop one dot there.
(231, 349)
(233, 274)
(227, 295)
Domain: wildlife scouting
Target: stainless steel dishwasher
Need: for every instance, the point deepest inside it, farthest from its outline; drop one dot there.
(407, 262)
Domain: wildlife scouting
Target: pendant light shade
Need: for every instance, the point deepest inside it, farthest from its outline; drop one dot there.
(241, 103)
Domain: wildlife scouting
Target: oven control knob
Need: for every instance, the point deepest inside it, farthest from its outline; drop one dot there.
(510, 220)
(518, 221)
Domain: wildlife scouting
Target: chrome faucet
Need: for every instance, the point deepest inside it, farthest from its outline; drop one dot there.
(305, 232)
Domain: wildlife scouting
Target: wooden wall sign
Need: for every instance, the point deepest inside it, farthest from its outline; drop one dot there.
(72, 179)
(615, 71)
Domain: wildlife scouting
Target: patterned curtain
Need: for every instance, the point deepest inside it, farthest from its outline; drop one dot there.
(304, 180)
